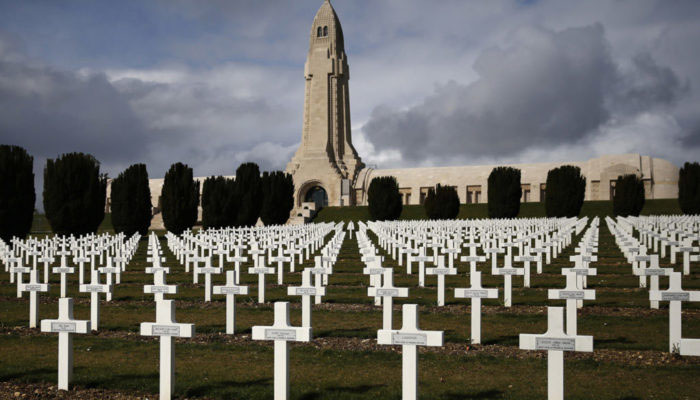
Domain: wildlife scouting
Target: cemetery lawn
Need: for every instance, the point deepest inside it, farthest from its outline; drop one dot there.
(631, 358)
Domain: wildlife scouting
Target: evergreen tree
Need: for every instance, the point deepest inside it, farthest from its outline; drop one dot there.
(384, 199)
(689, 188)
(629, 196)
(442, 203)
(217, 194)
(278, 197)
(566, 189)
(17, 195)
(504, 192)
(248, 194)
(131, 201)
(179, 199)
(74, 194)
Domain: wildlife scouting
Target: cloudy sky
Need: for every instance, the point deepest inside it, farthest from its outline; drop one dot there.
(449, 82)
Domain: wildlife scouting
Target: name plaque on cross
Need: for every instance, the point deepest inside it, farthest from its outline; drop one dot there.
(280, 334)
(655, 271)
(230, 290)
(571, 294)
(95, 288)
(545, 343)
(387, 292)
(467, 293)
(508, 271)
(63, 270)
(679, 296)
(442, 271)
(419, 339)
(31, 288)
(159, 289)
(375, 271)
(165, 330)
(63, 326)
(299, 291)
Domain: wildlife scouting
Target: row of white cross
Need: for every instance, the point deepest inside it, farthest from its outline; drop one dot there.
(652, 238)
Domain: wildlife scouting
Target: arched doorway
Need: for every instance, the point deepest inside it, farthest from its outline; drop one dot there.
(317, 195)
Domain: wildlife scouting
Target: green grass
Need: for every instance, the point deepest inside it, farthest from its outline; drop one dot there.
(41, 225)
(527, 210)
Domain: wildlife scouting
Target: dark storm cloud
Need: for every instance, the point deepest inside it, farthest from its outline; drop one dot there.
(50, 112)
(547, 89)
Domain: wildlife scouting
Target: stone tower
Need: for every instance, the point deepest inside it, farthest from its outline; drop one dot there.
(326, 164)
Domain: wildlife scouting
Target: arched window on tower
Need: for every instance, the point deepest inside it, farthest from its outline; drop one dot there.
(325, 31)
(319, 32)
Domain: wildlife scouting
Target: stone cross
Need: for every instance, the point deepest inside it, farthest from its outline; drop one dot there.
(33, 287)
(65, 326)
(441, 271)
(261, 271)
(526, 258)
(654, 272)
(571, 293)
(166, 327)
(375, 271)
(493, 253)
(476, 292)
(159, 287)
(19, 270)
(108, 270)
(280, 260)
(207, 270)
(46, 260)
(387, 291)
(63, 270)
(230, 290)
(556, 342)
(472, 260)
(81, 260)
(319, 271)
(281, 332)
(421, 259)
(451, 251)
(306, 290)
(409, 337)
(674, 295)
(686, 249)
(237, 260)
(95, 288)
(508, 271)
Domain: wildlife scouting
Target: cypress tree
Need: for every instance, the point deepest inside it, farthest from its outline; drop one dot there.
(384, 199)
(217, 193)
(17, 195)
(442, 203)
(179, 198)
(689, 188)
(248, 194)
(131, 201)
(278, 197)
(629, 196)
(504, 192)
(566, 189)
(74, 194)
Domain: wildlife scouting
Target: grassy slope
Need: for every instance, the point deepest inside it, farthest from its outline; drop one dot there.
(41, 225)
(527, 210)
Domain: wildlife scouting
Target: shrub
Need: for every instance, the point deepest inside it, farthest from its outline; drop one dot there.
(442, 202)
(384, 199)
(131, 201)
(17, 195)
(248, 194)
(278, 197)
(566, 189)
(629, 196)
(217, 196)
(689, 188)
(504, 192)
(179, 199)
(74, 194)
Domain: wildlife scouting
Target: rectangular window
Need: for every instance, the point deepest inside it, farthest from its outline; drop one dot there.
(595, 190)
(612, 189)
(424, 194)
(543, 191)
(473, 194)
(526, 193)
(405, 195)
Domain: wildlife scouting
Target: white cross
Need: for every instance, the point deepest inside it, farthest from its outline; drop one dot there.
(237, 260)
(261, 271)
(686, 250)
(109, 270)
(63, 270)
(230, 290)
(572, 294)
(281, 332)
(19, 270)
(159, 288)
(46, 260)
(375, 271)
(421, 258)
(207, 270)
(95, 288)
(33, 287)
(493, 252)
(526, 258)
(476, 292)
(387, 292)
(441, 271)
(472, 260)
(280, 260)
(65, 326)
(306, 290)
(319, 273)
(409, 336)
(166, 327)
(556, 342)
(81, 268)
(674, 295)
(654, 272)
(508, 271)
